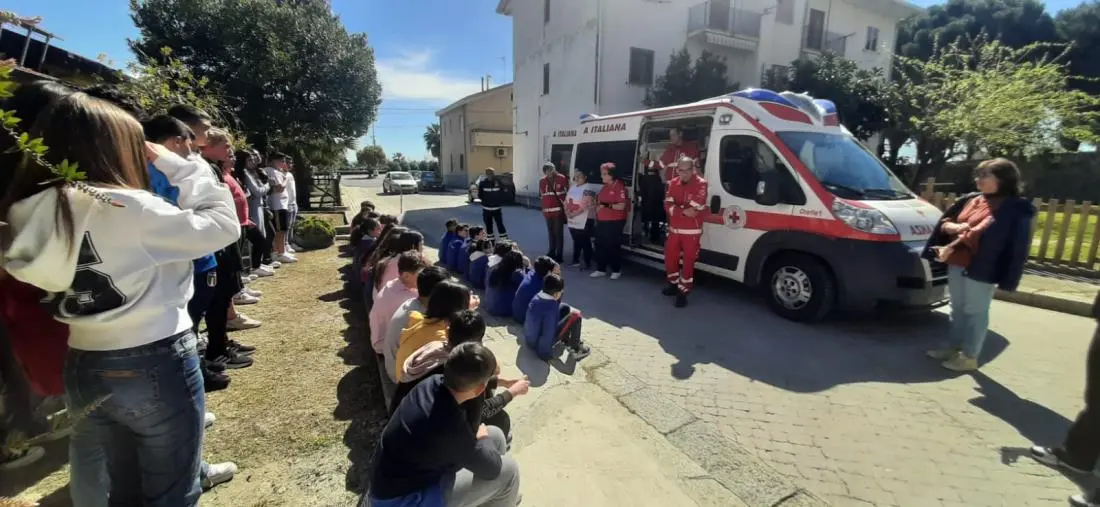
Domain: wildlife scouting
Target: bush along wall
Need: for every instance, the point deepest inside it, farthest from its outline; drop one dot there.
(313, 233)
(1056, 175)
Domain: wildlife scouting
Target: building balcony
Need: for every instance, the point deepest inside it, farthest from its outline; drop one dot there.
(718, 23)
(817, 42)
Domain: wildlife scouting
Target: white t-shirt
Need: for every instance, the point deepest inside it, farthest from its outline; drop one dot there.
(574, 199)
(277, 200)
(127, 278)
(291, 191)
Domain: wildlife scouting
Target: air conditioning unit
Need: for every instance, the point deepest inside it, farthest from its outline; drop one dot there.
(502, 152)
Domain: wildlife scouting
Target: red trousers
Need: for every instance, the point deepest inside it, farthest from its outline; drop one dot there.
(688, 246)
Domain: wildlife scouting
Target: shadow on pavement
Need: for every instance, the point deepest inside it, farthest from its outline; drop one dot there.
(729, 326)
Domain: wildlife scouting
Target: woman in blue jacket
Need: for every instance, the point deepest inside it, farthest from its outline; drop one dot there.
(984, 238)
(504, 280)
(531, 285)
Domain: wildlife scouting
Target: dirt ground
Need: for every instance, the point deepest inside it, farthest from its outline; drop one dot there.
(301, 422)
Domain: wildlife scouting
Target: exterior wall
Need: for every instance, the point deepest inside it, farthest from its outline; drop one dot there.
(490, 112)
(568, 42)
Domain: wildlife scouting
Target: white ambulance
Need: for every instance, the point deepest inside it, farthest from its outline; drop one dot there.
(798, 207)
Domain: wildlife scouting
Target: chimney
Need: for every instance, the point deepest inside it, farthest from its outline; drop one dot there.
(488, 77)
(482, 84)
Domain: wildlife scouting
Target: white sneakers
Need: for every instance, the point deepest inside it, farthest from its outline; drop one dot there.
(601, 274)
(218, 473)
(242, 322)
(208, 419)
(243, 298)
(286, 258)
(290, 250)
(263, 271)
(252, 292)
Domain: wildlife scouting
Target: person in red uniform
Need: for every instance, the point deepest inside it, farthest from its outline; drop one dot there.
(552, 187)
(612, 208)
(677, 147)
(685, 202)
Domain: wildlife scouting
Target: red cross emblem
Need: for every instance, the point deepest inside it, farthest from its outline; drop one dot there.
(735, 217)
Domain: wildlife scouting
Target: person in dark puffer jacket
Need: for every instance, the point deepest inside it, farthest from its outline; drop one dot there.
(984, 239)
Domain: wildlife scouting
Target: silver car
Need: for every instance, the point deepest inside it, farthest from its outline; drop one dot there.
(399, 182)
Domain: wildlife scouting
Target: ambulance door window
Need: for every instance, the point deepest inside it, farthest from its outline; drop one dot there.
(743, 159)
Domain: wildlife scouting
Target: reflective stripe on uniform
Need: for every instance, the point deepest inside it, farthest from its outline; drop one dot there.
(673, 277)
(687, 280)
(551, 209)
(696, 205)
(686, 232)
(483, 208)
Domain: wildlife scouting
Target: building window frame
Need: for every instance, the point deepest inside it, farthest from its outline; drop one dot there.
(546, 78)
(873, 34)
(545, 12)
(815, 41)
(784, 12)
(640, 67)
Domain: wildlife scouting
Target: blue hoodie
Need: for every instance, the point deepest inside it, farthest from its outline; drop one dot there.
(540, 331)
(455, 249)
(160, 185)
(531, 285)
(479, 268)
(444, 248)
(463, 257)
(498, 300)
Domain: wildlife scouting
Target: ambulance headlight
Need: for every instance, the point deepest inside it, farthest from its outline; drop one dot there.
(863, 219)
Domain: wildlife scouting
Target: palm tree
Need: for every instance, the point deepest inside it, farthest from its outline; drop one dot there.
(432, 140)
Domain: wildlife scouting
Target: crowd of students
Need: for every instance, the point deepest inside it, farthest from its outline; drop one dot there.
(448, 436)
(103, 285)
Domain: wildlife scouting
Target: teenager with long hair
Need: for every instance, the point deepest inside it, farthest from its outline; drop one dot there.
(385, 269)
(116, 261)
(245, 171)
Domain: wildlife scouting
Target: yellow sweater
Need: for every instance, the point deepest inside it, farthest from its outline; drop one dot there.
(419, 332)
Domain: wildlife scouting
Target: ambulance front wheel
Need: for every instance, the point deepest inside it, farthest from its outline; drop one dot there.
(799, 287)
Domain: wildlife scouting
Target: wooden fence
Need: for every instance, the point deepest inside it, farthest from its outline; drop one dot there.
(325, 191)
(1065, 235)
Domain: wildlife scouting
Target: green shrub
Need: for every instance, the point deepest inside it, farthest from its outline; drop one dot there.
(312, 233)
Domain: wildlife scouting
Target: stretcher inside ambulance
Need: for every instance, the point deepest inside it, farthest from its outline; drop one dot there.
(797, 206)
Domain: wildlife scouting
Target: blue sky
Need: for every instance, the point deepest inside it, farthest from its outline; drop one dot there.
(429, 52)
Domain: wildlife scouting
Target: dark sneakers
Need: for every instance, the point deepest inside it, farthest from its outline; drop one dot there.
(1053, 458)
(670, 290)
(580, 352)
(681, 300)
(234, 361)
(214, 381)
(240, 348)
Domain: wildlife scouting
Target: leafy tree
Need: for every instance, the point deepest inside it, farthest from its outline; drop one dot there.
(432, 139)
(1002, 100)
(684, 82)
(861, 96)
(371, 156)
(288, 71)
(1015, 23)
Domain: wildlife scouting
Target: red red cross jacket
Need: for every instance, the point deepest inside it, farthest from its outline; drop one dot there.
(672, 154)
(681, 196)
(553, 193)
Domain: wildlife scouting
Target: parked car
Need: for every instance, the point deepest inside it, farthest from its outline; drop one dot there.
(416, 175)
(432, 182)
(505, 181)
(399, 182)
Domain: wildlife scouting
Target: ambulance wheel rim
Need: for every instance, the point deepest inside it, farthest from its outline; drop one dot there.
(791, 287)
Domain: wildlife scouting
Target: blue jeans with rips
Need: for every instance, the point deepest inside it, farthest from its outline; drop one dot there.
(142, 444)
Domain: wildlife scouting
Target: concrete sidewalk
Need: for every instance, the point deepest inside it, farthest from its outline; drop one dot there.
(592, 434)
(1053, 292)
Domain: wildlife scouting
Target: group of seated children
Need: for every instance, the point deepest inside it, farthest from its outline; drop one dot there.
(423, 323)
(513, 287)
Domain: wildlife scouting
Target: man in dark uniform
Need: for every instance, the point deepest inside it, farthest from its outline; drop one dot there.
(491, 193)
(652, 190)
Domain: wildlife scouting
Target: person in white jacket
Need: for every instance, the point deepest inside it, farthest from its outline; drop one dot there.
(115, 262)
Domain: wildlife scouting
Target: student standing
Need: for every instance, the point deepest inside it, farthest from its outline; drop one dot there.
(279, 202)
(580, 205)
(291, 206)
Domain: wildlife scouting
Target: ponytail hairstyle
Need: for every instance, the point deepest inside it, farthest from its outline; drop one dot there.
(502, 273)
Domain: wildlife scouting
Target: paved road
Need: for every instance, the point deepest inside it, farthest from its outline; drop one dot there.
(850, 409)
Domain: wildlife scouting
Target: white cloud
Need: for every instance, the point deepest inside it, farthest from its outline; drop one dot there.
(411, 76)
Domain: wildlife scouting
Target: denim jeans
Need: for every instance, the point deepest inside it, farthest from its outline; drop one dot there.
(970, 300)
(141, 445)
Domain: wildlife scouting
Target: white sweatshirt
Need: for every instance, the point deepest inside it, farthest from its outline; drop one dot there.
(291, 192)
(126, 280)
(276, 200)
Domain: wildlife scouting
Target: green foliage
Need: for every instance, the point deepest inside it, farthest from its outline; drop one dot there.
(371, 156)
(684, 82)
(862, 97)
(432, 139)
(287, 71)
(1016, 23)
(1002, 100)
(312, 233)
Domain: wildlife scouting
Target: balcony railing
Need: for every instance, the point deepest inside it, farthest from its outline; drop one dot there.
(828, 41)
(721, 16)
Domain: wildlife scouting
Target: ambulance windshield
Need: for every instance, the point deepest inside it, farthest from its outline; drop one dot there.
(845, 167)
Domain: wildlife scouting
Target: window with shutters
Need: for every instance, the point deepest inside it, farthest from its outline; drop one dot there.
(641, 67)
(872, 39)
(815, 30)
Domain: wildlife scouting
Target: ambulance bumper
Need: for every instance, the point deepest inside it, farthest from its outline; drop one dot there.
(888, 274)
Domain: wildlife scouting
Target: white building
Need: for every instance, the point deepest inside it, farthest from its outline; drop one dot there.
(600, 56)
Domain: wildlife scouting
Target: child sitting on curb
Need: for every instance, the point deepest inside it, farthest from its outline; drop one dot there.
(550, 321)
(503, 281)
(479, 253)
(531, 285)
(446, 240)
(462, 264)
(450, 253)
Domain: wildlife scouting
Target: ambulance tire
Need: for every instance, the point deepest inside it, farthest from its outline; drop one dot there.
(799, 287)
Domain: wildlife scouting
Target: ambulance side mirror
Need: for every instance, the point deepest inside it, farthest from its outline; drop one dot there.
(767, 188)
(715, 204)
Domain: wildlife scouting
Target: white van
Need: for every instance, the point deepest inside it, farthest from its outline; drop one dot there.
(798, 207)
